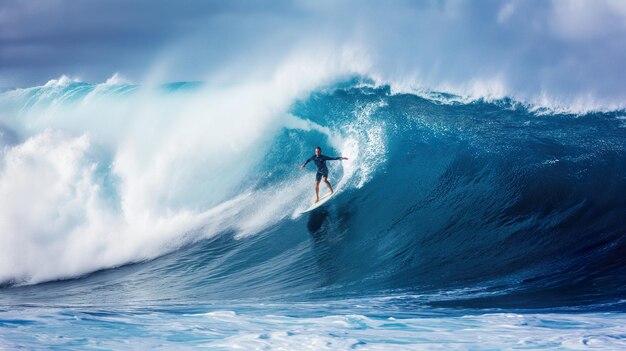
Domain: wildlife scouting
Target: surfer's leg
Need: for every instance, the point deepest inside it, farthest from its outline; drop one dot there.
(328, 184)
(318, 176)
(317, 191)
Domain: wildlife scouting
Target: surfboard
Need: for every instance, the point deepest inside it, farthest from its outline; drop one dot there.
(323, 200)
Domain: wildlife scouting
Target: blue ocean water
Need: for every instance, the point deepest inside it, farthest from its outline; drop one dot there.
(458, 225)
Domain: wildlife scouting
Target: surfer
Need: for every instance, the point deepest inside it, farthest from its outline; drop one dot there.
(322, 170)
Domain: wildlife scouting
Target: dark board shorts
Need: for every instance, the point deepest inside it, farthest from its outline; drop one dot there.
(321, 173)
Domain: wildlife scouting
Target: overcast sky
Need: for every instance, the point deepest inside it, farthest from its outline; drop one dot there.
(40, 40)
(569, 50)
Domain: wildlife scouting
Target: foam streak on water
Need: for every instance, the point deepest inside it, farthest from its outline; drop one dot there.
(252, 330)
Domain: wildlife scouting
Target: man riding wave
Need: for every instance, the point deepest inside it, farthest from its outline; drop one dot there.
(322, 170)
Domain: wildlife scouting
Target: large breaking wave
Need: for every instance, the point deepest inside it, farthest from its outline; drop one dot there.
(484, 202)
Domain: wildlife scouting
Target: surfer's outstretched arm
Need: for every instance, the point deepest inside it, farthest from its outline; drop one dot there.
(335, 158)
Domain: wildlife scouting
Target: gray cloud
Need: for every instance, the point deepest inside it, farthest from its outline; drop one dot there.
(93, 39)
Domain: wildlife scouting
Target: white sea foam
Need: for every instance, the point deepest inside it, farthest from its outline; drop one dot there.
(365, 143)
(62, 81)
(117, 79)
(101, 181)
(237, 330)
(470, 332)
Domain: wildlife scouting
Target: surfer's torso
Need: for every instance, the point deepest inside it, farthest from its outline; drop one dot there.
(320, 162)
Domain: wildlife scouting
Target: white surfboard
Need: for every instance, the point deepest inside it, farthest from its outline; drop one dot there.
(322, 201)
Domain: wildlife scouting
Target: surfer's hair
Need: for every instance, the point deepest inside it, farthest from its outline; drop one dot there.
(317, 147)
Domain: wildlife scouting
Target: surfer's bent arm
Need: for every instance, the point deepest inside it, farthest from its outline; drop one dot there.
(306, 162)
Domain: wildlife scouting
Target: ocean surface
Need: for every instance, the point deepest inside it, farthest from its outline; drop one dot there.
(168, 217)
